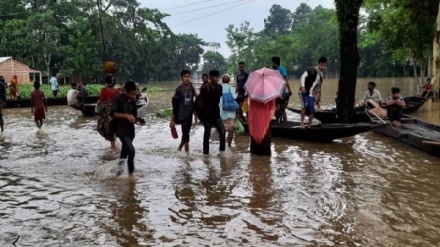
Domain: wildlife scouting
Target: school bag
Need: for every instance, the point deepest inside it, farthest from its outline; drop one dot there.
(229, 103)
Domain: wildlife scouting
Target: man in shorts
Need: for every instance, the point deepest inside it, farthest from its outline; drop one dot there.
(311, 79)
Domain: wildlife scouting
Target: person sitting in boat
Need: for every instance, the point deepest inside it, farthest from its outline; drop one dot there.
(371, 94)
(73, 97)
(395, 106)
(427, 89)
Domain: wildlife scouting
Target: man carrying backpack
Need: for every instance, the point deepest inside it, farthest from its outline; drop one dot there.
(310, 91)
(183, 108)
(209, 101)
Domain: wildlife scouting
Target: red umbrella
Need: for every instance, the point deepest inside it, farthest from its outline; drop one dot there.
(265, 85)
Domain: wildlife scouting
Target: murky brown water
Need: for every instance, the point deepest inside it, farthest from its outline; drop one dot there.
(361, 191)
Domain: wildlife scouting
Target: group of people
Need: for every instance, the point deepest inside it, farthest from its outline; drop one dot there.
(394, 104)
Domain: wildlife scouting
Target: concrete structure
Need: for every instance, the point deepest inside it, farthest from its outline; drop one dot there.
(26, 74)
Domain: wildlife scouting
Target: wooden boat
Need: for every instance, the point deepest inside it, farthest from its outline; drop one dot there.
(318, 132)
(89, 107)
(329, 116)
(415, 133)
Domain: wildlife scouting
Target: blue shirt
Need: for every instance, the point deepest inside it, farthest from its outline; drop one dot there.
(283, 73)
(54, 83)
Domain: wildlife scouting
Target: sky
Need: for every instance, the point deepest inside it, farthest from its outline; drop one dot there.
(210, 25)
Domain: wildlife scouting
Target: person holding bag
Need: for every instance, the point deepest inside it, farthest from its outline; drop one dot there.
(228, 108)
(183, 109)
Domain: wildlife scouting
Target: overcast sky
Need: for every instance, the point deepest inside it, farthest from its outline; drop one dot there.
(210, 25)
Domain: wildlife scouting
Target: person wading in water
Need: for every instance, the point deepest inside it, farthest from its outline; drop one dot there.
(183, 108)
(103, 109)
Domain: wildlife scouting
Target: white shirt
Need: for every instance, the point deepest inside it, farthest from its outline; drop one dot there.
(71, 97)
(376, 96)
(54, 83)
(317, 81)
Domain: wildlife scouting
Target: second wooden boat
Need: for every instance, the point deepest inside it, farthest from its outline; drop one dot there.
(318, 132)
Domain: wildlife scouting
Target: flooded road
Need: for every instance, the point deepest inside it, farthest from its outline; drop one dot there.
(367, 190)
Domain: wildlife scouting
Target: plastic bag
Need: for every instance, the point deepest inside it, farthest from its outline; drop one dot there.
(238, 127)
(245, 106)
(99, 109)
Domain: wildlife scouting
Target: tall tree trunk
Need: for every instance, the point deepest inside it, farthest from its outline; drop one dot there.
(348, 19)
(429, 71)
(436, 52)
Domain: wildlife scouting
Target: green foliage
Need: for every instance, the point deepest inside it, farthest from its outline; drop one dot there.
(214, 60)
(92, 89)
(278, 22)
(167, 113)
(65, 37)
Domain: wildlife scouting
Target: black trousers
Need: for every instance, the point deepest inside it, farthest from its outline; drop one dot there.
(128, 151)
(207, 135)
(55, 93)
(186, 128)
(394, 112)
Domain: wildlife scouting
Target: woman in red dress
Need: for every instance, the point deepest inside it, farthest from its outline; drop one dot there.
(103, 109)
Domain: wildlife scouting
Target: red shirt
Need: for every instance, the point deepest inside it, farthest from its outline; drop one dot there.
(38, 99)
(107, 95)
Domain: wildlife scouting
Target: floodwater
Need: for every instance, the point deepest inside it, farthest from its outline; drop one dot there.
(367, 190)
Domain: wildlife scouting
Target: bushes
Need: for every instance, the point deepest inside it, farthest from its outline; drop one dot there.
(93, 90)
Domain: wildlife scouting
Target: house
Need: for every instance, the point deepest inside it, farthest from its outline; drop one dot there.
(26, 74)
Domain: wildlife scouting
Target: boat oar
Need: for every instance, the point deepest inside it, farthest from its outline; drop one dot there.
(431, 143)
(375, 116)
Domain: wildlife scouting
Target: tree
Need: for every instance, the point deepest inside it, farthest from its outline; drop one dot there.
(348, 18)
(241, 42)
(214, 60)
(279, 21)
(301, 16)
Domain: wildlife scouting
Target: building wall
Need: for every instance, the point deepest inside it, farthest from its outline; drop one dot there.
(12, 67)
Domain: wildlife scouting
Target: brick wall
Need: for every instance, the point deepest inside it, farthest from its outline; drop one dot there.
(12, 67)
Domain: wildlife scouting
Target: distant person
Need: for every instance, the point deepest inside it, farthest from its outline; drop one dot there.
(227, 116)
(395, 106)
(38, 104)
(84, 91)
(14, 88)
(104, 107)
(210, 98)
(54, 85)
(427, 89)
(183, 108)
(284, 100)
(239, 89)
(124, 114)
(372, 94)
(3, 87)
(312, 78)
(205, 81)
(72, 97)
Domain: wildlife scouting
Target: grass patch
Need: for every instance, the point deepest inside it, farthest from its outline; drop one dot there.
(164, 113)
(93, 90)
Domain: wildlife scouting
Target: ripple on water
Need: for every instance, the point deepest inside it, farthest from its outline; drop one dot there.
(361, 191)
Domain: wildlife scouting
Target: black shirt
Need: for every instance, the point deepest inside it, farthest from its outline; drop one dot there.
(210, 96)
(183, 103)
(122, 126)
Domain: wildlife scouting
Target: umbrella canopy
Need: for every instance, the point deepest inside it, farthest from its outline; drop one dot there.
(265, 85)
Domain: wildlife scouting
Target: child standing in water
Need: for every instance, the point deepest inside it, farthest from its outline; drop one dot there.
(38, 104)
(124, 114)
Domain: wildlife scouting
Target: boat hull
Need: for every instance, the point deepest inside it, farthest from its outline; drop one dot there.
(415, 132)
(319, 132)
(329, 116)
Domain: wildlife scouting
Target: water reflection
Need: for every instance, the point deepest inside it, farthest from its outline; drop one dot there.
(361, 191)
(129, 215)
